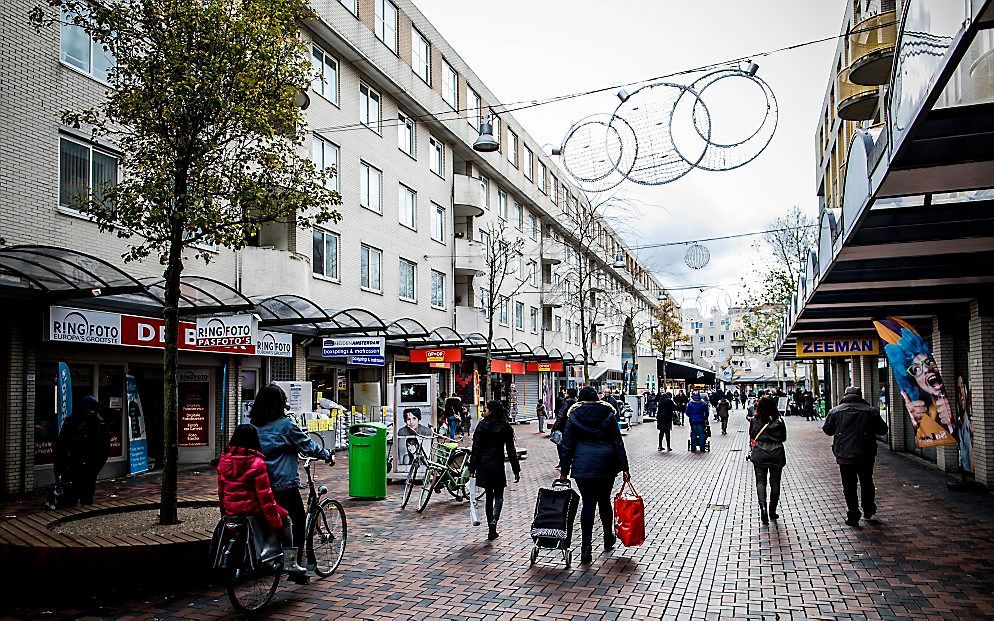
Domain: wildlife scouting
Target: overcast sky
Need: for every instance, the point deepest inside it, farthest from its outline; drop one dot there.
(533, 49)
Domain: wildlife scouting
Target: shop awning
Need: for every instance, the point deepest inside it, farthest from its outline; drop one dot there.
(687, 372)
(296, 312)
(62, 274)
(199, 295)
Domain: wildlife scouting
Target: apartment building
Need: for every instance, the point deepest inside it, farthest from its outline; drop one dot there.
(396, 110)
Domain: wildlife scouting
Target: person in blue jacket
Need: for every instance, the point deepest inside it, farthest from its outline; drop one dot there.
(697, 414)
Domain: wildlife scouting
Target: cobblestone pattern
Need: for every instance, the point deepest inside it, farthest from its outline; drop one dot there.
(928, 555)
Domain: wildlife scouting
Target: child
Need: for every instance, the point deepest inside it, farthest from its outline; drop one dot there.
(243, 489)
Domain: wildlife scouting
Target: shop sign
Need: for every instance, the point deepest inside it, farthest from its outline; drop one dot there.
(507, 367)
(274, 344)
(227, 331)
(445, 354)
(544, 367)
(846, 346)
(353, 346)
(194, 396)
(438, 365)
(367, 361)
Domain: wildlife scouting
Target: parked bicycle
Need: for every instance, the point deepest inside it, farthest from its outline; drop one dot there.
(251, 583)
(446, 466)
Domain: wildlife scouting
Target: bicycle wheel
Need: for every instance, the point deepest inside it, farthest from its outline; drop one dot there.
(428, 487)
(249, 590)
(315, 437)
(327, 537)
(412, 475)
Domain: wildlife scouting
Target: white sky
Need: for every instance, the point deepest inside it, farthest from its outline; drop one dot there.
(533, 49)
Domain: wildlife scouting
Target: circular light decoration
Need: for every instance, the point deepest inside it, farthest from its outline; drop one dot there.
(598, 154)
(697, 256)
(661, 117)
(728, 152)
(713, 301)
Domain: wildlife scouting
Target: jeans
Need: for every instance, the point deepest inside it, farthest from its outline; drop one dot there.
(290, 500)
(863, 475)
(697, 436)
(494, 503)
(541, 424)
(595, 494)
(662, 433)
(773, 473)
(724, 424)
(451, 422)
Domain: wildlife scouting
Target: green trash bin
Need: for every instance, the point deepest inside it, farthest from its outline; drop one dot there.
(368, 460)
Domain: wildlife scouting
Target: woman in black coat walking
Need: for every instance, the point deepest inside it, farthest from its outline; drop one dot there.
(594, 452)
(493, 436)
(768, 434)
(665, 412)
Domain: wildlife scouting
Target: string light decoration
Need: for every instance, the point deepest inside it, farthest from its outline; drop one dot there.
(697, 256)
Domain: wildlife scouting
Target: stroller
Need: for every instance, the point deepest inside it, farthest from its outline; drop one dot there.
(707, 440)
(555, 512)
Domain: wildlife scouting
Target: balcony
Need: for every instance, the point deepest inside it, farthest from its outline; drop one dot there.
(469, 199)
(470, 319)
(469, 257)
(856, 102)
(268, 271)
(553, 253)
(871, 49)
(553, 298)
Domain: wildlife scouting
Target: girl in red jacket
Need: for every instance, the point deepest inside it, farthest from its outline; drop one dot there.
(243, 489)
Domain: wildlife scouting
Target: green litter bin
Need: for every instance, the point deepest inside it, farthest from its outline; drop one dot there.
(368, 460)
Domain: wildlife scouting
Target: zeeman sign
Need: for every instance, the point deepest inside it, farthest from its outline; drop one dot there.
(846, 346)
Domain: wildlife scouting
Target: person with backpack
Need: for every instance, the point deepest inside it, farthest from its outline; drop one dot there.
(767, 433)
(243, 488)
(854, 425)
(492, 438)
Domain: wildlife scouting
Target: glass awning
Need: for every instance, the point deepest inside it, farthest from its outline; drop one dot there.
(63, 274)
(199, 295)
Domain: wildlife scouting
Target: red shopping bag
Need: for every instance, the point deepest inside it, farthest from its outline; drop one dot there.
(629, 516)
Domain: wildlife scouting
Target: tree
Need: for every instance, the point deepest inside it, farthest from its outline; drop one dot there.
(669, 331)
(501, 253)
(202, 105)
(636, 323)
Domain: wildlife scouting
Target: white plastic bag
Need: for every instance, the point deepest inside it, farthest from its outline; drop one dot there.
(474, 511)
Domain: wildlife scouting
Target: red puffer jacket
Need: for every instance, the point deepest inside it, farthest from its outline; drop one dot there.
(243, 487)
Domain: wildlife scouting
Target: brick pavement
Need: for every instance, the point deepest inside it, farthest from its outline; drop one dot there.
(929, 555)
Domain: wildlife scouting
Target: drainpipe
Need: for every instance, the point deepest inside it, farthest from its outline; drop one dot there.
(24, 415)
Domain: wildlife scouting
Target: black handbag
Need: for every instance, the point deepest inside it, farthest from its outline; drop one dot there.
(244, 541)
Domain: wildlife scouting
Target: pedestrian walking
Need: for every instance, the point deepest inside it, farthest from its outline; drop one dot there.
(665, 412)
(560, 424)
(492, 438)
(453, 415)
(680, 399)
(541, 413)
(594, 453)
(854, 425)
(697, 414)
(281, 441)
(723, 412)
(768, 433)
(808, 406)
(651, 403)
(80, 452)
(609, 397)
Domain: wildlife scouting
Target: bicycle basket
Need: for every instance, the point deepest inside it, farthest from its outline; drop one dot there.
(442, 452)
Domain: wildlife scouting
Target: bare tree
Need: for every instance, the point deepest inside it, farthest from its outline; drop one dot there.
(669, 331)
(501, 253)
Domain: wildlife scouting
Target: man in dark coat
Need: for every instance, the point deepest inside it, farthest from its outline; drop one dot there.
(681, 404)
(854, 425)
(665, 412)
(80, 453)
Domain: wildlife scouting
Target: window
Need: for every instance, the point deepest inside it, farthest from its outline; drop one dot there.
(408, 207)
(485, 301)
(558, 323)
(529, 156)
(438, 223)
(512, 148)
(352, 6)
(406, 134)
(533, 273)
(370, 187)
(486, 191)
(703, 339)
(437, 289)
(554, 188)
(437, 163)
(502, 204)
(521, 268)
(324, 256)
(370, 260)
(79, 50)
(386, 23)
(484, 239)
(474, 109)
(369, 107)
(543, 177)
(325, 82)
(324, 154)
(408, 280)
(84, 172)
(450, 85)
(421, 56)
(495, 121)
(502, 316)
(533, 221)
(519, 316)
(519, 215)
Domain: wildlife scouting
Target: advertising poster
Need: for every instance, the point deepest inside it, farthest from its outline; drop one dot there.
(194, 397)
(918, 379)
(64, 395)
(412, 419)
(137, 438)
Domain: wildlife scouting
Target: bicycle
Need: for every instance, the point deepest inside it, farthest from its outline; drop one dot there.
(326, 535)
(447, 466)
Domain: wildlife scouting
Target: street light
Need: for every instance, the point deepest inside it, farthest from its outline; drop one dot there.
(619, 261)
(486, 143)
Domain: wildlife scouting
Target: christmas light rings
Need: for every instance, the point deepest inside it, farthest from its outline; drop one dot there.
(713, 301)
(597, 154)
(728, 154)
(697, 256)
(670, 140)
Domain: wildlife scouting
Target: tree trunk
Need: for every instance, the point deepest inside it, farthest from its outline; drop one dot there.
(816, 385)
(170, 364)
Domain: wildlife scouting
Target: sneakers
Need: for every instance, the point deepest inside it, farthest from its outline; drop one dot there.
(659, 449)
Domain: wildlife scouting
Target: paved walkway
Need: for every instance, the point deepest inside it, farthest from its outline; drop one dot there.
(928, 555)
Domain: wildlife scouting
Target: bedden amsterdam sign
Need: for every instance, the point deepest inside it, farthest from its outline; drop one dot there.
(844, 346)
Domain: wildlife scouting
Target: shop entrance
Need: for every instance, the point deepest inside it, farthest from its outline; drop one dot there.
(150, 381)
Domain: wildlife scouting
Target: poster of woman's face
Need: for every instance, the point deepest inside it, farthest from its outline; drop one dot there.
(411, 434)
